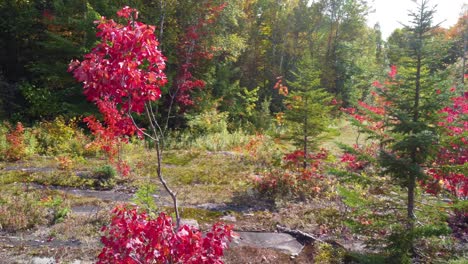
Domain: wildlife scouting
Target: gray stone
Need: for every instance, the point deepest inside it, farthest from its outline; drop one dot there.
(77, 261)
(190, 222)
(37, 260)
(280, 241)
(229, 218)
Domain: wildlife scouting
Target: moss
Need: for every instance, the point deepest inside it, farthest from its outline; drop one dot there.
(13, 176)
(326, 253)
(201, 215)
(210, 168)
(70, 179)
(180, 158)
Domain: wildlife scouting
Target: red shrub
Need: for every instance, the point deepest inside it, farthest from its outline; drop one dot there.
(133, 237)
(15, 138)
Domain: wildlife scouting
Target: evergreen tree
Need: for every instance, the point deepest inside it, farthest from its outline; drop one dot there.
(308, 108)
(411, 123)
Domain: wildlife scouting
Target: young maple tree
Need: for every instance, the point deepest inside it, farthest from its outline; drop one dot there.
(122, 75)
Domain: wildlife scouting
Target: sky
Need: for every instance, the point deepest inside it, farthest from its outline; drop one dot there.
(390, 12)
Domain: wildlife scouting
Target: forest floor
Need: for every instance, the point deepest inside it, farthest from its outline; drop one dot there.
(53, 212)
(53, 208)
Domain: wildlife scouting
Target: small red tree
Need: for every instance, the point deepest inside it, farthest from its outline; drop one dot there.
(122, 75)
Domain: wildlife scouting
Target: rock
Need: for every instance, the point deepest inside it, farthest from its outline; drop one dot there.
(229, 218)
(37, 260)
(77, 261)
(281, 241)
(190, 222)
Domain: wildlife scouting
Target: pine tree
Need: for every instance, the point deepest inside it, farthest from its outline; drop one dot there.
(412, 115)
(308, 108)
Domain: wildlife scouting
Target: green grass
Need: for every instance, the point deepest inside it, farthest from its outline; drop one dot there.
(208, 169)
(347, 135)
(180, 158)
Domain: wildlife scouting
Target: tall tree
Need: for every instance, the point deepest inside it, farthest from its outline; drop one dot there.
(412, 120)
(346, 20)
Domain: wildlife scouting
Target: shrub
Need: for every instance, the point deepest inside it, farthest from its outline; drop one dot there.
(134, 237)
(144, 198)
(216, 141)
(208, 122)
(263, 150)
(105, 172)
(57, 208)
(103, 177)
(62, 137)
(19, 210)
(64, 162)
(292, 180)
(14, 149)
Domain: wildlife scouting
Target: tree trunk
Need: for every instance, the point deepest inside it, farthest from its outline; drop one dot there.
(305, 137)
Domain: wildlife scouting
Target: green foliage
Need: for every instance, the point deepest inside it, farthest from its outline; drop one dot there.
(219, 141)
(62, 137)
(144, 198)
(180, 159)
(208, 169)
(59, 210)
(363, 258)
(3, 140)
(201, 215)
(104, 177)
(105, 172)
(262, 119)
(376, 213)
(208, 122)
(463, 260)
(41, 101)
(9, 177)
(308, 107)
(327, 254)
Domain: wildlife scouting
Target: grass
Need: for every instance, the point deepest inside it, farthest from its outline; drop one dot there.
(347, 135)
(201, 215)
(180, 158)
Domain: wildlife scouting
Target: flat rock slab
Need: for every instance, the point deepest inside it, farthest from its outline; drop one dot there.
(281, 241)
(29, 169)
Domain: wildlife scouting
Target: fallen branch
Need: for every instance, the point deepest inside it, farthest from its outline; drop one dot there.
(306, 238)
